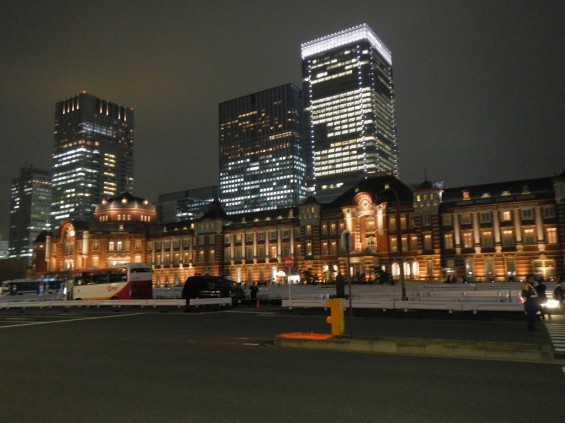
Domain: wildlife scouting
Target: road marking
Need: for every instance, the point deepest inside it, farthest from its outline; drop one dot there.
(69, 320)
(17, 318)
(556, 331)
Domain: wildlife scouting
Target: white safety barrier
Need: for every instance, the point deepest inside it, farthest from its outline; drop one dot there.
(447, 305)
(92, 303)
(419, 296)
(196, 302)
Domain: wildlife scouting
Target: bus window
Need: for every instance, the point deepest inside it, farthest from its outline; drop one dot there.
(118, 277)
(140, 270)
(100, 278)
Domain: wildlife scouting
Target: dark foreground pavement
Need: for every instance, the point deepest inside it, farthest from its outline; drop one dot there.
(151, 365)
(494, 336)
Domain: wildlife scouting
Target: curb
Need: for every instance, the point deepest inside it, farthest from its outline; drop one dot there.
(421, 347)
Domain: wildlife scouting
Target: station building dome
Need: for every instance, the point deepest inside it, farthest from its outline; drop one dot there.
(125, 208)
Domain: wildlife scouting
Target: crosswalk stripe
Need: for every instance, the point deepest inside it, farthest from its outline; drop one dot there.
(556, 330)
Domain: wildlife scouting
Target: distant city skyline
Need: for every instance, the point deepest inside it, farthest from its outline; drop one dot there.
(478, 97)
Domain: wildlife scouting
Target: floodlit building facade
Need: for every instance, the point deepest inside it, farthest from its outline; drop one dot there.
(262, 161)
(483, 233)
(30, 196)
(503, 231)
(116, 235)
(92, 155)
(349, 108)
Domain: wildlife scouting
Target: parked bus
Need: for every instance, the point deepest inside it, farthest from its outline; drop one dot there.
(30, 286)
(129, 281)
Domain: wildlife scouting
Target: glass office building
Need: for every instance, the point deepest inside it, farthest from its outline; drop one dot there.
(349, 108)
(181, 206)
(262, 161)
(92, 156)
(30, 197)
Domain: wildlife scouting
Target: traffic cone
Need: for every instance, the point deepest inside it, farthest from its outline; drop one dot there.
(258, 303)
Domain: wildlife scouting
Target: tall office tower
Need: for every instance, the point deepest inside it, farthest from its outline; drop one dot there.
(262, 162)
(349, 109)
(29, 211)
(92, 157)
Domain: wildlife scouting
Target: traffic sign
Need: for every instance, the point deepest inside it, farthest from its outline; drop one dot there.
(289, 261)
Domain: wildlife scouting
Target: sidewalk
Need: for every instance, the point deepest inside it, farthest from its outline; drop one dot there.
(439, 335)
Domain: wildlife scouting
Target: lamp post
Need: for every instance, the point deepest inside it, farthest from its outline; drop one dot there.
(399, 238)
(346, 245)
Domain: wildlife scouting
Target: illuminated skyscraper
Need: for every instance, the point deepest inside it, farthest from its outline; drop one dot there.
(262, 162)
(30, 197)
(349, 108)
(92, 155)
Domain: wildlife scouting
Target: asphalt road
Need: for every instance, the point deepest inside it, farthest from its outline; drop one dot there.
(146, 366)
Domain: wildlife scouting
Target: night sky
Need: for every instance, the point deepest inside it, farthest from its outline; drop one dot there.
(479, 84)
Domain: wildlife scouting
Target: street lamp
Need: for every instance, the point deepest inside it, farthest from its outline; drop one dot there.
(346, 245)
(399, 238)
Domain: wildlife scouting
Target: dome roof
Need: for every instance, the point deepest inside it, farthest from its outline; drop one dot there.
(127, 208)
(126, 201)
(426, 185)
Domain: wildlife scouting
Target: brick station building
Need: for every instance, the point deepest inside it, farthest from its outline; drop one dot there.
(491, 232)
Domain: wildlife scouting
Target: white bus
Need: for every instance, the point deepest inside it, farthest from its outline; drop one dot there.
(125, 282)
(29, 286)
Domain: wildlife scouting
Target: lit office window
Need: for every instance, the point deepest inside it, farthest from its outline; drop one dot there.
(529, 237)
(506, 215)
(448, 241)
(393, 244)
(467, 240)
(427, 242)
(551, 235)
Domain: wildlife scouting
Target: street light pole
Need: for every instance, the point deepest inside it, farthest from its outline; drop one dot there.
(399, 239)
(346, 245)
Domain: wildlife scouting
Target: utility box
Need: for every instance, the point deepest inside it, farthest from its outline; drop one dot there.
(337, 317)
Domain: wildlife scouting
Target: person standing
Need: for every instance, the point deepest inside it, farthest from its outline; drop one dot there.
(530, 299)
(559, 293)
(540, 288)
(253, 290)
(340, 286)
